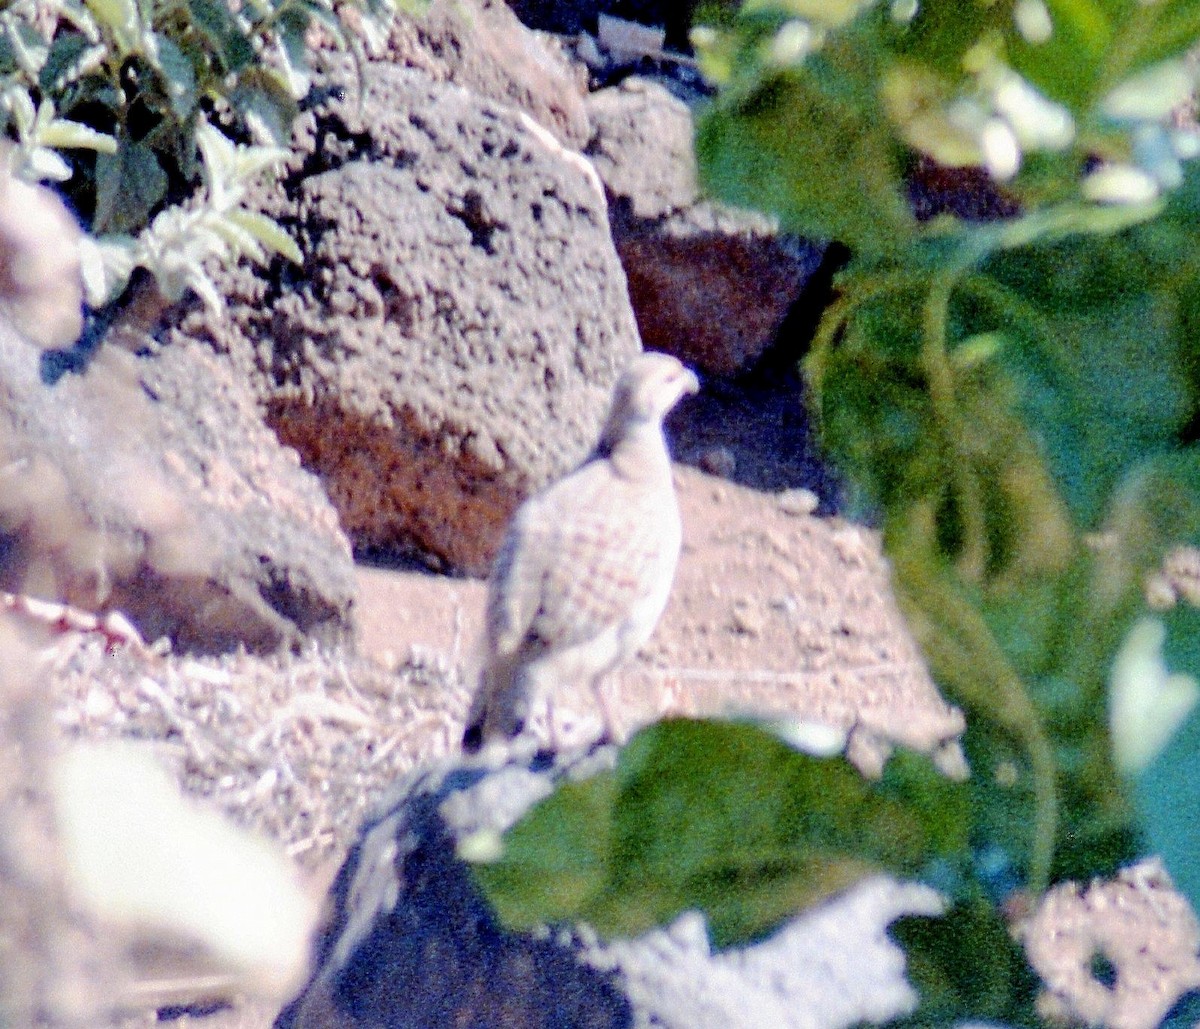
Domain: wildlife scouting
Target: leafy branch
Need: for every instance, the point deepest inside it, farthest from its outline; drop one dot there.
(120, 100)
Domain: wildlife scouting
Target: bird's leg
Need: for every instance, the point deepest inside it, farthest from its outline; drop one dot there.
(552, 735)
(608, 730)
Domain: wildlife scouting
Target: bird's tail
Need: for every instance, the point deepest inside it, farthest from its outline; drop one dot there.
(496, 711)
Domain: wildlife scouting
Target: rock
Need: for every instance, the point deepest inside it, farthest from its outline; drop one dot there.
(1141, 926)
(460, 319)
(195, 904)
(151, 487)
(581, 15)
(480, 44)
(708, 283)
(405, 910)
(41, 290)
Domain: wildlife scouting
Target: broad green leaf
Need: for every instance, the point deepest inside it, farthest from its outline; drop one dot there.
(1094, 343)
(966, 966)
(129, 185)
(940, 33)
(1156, 511)
(71, 57)
(812, 147)
(263, 97)
(122, 20)
(219, 26)
(1161, 30)
(1167, 789)
(1069, 64)
(721, 817)
(179, 76)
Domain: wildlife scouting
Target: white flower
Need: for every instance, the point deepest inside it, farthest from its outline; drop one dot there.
(1033, 21)
(1154, 152)
(1147, 703)
(1038, 122)
(1001, 151)
(794, 41)
(1150, 95)
(1120, 184)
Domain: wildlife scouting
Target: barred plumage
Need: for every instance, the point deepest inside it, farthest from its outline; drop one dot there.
(587, 565)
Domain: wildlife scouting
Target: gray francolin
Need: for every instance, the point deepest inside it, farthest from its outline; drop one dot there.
(586, 567)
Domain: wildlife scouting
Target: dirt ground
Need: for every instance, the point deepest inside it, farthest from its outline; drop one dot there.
(779, 610)
(775, 612)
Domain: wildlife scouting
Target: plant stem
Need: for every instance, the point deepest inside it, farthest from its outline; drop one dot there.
(972, 559)
(962, 651)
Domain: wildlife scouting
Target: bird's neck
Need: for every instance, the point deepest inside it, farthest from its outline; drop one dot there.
(639, 454)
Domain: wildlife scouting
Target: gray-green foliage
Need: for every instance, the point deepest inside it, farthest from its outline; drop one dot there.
(1015, 401)
(120, 100)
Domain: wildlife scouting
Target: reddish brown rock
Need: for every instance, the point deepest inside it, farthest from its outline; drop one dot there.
(708, 283)
(459, 322)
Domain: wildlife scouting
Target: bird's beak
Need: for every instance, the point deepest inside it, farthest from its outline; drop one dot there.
(691, 383)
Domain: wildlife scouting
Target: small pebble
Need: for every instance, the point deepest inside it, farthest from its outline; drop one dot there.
(798, 502)
(99, 704)
(719, 461)
(747, 619)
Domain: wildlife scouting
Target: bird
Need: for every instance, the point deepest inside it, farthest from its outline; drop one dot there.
(586, 566)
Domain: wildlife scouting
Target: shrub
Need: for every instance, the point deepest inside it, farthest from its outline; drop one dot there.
(133, 103)
(1012, 391)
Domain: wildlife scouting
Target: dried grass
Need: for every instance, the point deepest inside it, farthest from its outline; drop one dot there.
(298, 746)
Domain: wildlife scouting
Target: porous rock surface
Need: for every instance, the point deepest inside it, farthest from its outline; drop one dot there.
(708, 283)
(151, 487)
(411, 942)
(481, 45)
(41, 291)
(450, 343)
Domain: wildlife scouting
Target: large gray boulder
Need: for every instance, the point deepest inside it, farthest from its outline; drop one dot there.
(480, 44)
(150, 486)
(450, 344)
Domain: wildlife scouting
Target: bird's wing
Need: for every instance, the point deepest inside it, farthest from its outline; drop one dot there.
(577, 559)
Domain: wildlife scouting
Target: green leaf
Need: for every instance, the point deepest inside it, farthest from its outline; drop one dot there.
(179, 76)
(293, 49)
(1167, 789)
(1154, 700)
(71, 56)
(1068, 65)
(1166, 29)
(122, 19)
(812, 147)
(129, 185)
(216, 21)
(724, 818)
(1095, 344)
(965, 965)
(263, 97)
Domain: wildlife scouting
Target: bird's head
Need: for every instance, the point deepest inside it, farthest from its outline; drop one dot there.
(650, 386)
